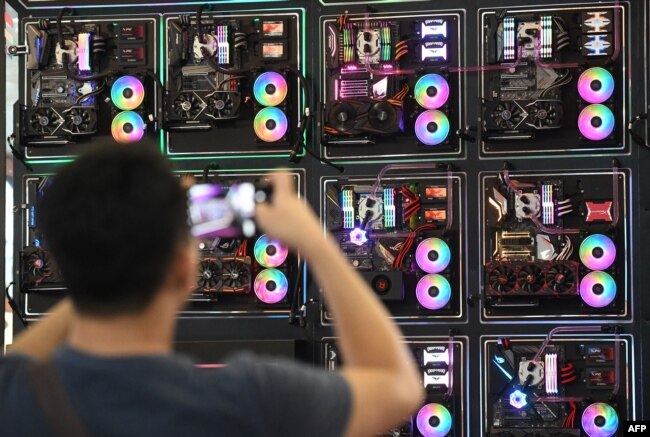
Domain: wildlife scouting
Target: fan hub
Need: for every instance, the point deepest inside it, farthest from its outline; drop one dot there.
(506, 115)
(382, 115)
(342, 116)
(503, 279)
(542, 114)
(559, 278)
(432, 127)
(207, 274)
(186, 106)
(596, 122)
(43, 120)
(219, 104)
(77, 120)
(270, 124)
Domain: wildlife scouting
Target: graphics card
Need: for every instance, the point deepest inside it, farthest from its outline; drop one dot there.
(536, 64)
(556, 245)
(390, 88)
(404, 235)
(557, 386)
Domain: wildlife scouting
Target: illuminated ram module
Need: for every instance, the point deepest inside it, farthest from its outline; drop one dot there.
(548, 210)
(546, 37)
(347, 207)
(389, 208)
(223, 47)
(596, 45)
(509, 45)
(434, 28)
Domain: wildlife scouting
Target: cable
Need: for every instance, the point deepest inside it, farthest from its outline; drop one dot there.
(14, 305)
(85, 97)
(224, 81)
(20, 156)
(636, 137)
(199, 24)
(218, 68)
(59, 26)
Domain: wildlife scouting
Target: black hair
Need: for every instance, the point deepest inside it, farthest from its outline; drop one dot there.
(114, 220)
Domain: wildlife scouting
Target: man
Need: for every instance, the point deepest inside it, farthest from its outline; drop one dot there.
(116, 222)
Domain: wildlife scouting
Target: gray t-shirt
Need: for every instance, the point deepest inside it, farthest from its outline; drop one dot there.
(169, 396)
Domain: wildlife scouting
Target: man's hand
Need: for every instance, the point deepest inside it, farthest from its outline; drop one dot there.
(287, 218)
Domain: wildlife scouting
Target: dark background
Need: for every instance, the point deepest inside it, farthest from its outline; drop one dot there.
(276, 335)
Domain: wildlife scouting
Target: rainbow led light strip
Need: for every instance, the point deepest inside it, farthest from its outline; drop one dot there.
(127, 127)
(271, 286)
(269, 253)
(270, 88)
(433, 420)
(598, 289)
(597, 252)
(432, 127)
(127, 93)
(431, 91)
(270, 124)
(599, 420)
(596, 122)
(596, 85)
(433, 291)
(432, 255)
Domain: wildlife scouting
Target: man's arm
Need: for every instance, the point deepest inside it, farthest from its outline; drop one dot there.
(43, 338)
(378, 367)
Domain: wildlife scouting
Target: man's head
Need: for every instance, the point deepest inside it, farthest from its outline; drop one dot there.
(115, 221)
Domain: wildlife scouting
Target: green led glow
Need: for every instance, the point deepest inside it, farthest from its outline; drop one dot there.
(161, 75)
(49, 161)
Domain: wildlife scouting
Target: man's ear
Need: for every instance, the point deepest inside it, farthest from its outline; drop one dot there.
(182, 275)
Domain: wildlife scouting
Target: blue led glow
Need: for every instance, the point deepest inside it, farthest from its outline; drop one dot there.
(518, 399)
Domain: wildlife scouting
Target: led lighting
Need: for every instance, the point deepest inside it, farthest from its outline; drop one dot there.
(270, 88)
(597, 252)
(271, 286)
(599, 420)
(433, 255)
(598, 289)
(596, 122)
(358, 236)
(518, 399)
(127, 127)
(431, 91)
(270, 124)
(432, 127)
(433, 420)
(596, 85)
(270, 253)
(433, 291)
(127, 93)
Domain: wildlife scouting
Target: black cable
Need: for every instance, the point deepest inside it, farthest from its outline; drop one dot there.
(20, 156)
(206, 171)
(636, 137)
(59, 26)
(199, 18)
(14, 305)
(297, 290)
(85, 97)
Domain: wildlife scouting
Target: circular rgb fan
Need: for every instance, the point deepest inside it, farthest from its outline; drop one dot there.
(599, 420)
(432, 127)
(127, 93)
(596, 122)
(270, 88)
(596, 85)
(598, 289)
(127, 127)
(433, 291)
(432, 255)
(433, 420)
(597, 252)
(270, 124)
(269, 253)
(431, 91)
(271, 286)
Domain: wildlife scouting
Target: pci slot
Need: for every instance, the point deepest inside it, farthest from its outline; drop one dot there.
(353, 88)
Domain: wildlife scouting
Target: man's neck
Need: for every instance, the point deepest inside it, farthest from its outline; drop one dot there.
(150, 333)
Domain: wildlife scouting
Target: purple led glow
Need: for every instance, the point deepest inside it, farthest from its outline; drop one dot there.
(432, 255)
(599, 420)
(431, 91)
(358, 236)
(433, 420)
(597, 252)
(271, 286)
(596, 122)
(433, 291)
(596, 85)
(598, 289)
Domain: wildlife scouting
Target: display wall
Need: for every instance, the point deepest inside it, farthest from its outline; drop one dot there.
(471, 159)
